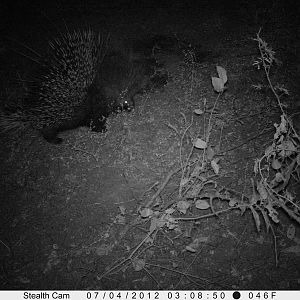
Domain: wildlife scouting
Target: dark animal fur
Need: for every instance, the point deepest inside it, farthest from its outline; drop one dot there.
(120, 76)
(118, 80)
(92, 113)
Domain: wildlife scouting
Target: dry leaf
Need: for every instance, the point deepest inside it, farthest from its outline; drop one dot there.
(222, 74)
(256, 218)
(146, 212)
(138, 264)
(218, 84)
(183, 206)
(202, 204)
(198, 111)
(291, 232)
(200, 144)
(262, 190)
(215, 166)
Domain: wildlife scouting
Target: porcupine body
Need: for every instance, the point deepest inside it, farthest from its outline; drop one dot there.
(58, 98)
(84, 79)
(64, 95)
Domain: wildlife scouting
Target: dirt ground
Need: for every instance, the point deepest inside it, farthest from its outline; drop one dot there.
(104, 210)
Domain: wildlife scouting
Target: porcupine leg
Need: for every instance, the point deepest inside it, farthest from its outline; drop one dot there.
(98, 109)
(50, 135)
(98, 124)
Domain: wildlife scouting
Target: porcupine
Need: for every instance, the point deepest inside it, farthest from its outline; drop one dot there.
(69, 93)
(86, 77)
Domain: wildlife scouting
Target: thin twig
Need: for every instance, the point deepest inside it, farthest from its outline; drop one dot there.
(208, 215)
(160, 189)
